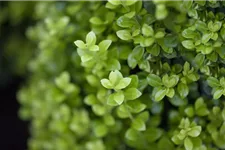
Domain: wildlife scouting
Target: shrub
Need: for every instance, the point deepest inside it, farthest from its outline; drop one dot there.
(145, 75)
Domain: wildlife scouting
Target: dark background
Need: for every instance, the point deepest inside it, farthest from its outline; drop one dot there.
(13, 131)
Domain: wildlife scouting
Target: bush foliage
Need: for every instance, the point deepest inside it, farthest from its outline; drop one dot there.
(146, 75)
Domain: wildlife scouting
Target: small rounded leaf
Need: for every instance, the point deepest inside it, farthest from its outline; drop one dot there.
(188, 144)
(139, 124)
(124, 35)
(160, 94)
(123, 83)
(91, 38)
(106, 83)
(154, 80)
(213, 82)
(132, 93)
(195, 131)
(118, 97)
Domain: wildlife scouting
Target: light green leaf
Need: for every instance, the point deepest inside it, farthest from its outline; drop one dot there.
(138, 124)
(91, 38)
(124, 35)
(113, 64)
(154, 50)
(96, 21)
(115, 2)
(195, 131)
(111, 101)
(147, 30)
(99, 109)
(182, 89)
(132, 134)
(188, 44)
(153, 134)
(106, 83)
(188, 144)
(104, 45)
(218, 93)
(161, 12)
(170, 92)
(206, 37)
(94, 48)
(129, 2)
(118, 97)
(132, 93)
(154, 80)
(115, 77)
(123, 83)
(125, 22)
(80, 44)
(86, 57)
(160, 94)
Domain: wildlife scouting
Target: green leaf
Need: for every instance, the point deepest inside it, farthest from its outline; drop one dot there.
(159, 34)
(147, 30)
(132, 62)
(218, 93)
(189, 33)
(90, 100)
(160, 94)
(154, 80)
(201, 3)
(91, 38)
(122, 111)
(161, 12)
(125, 22)
(188, 44)
(170, 81)
(132, 93)
(204, 49)
(206, 37)
(171, 40)
(118, 97)
(99, 109)
(86, 57)
(154, 50)
(115, 2)
(129, 2)
(113, 64)
(106, 83)
(134, 81)
(170, 92)
(188, 144)
(214, 27)
(124, 35)
(153, 134)
(100, 130)
(96, 21)
(147, 42)
(111, 101)
(80, 44)
(138, 124)
(104, 45)
(135, 106)
(109, 120)
(138, 52)
(182, 89)
(63, 80)
(189, 111)
(123, 83)
(94, 48)
(199, 60)
(115, 77)
(195, 131)
(132, 134)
